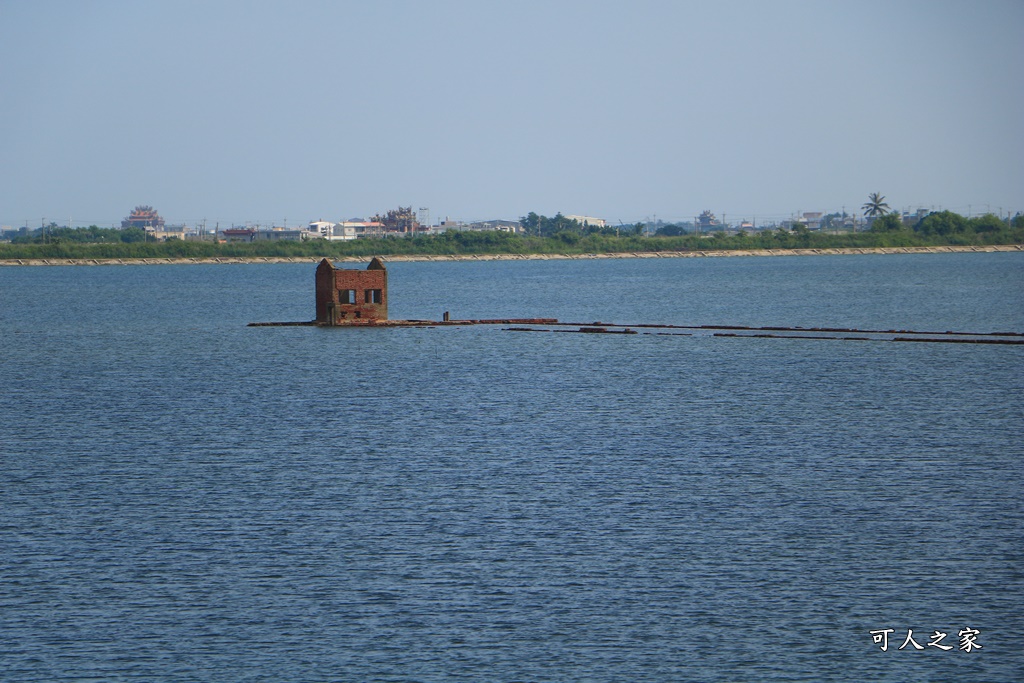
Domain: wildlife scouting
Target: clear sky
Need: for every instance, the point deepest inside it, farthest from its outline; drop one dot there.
(246, 111)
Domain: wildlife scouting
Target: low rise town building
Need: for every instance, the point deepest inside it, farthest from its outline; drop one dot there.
(588, 221)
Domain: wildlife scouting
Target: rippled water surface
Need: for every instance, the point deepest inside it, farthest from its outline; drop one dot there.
(186, 498)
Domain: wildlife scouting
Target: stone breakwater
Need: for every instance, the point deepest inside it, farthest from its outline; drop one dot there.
(710, 253)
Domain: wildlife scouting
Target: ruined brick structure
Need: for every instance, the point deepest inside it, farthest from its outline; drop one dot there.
(344, 296)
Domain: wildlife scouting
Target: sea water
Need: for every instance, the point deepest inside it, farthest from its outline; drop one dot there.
(187, 498)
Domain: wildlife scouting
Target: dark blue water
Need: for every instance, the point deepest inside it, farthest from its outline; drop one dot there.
(185, 498)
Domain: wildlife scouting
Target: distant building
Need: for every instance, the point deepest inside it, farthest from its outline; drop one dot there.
(707, 221)
(497, 225)
(344, 296)
(335, 232)
(239, 234)
(912, 219)
(323, 228)
(477, 226)
(402, 219)
(7, 232)
(589, 221)
(171, 232)
(812, 219)
(361, 228)
(342, 232)
(449, 224)
(144, 217)
(283, 235)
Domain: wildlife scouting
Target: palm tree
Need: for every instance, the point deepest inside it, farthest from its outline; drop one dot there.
(875, 205)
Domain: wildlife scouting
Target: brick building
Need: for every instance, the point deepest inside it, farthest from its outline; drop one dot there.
(346, 296)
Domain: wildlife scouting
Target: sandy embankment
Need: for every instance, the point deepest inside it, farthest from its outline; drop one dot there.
(514, 257)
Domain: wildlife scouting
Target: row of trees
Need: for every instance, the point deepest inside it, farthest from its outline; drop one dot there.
(544, 235)
(56, 234)
(570, 229)
(946, 223)
(563, 242)
(943, 223)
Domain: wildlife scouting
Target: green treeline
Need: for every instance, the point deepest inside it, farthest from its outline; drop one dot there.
(556, 235)
(91, 235)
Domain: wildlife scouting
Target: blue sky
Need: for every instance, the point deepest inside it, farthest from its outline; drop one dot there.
(293, 111)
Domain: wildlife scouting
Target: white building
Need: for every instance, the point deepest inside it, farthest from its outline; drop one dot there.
(362, 228)
(334, 232)
(343, 232)
(589, 221)
(323, 228)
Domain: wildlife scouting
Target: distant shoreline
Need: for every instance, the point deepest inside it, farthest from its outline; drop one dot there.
(709, 253)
